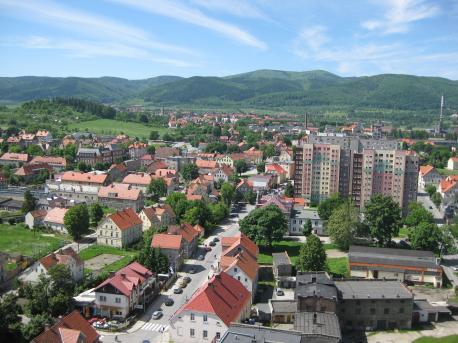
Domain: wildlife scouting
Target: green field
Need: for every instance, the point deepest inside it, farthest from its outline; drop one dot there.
(20, 240)
(447, 172)
(114, 127)
(96, 250)
(338, 266)
(446, 339)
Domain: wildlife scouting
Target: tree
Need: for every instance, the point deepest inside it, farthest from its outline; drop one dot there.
(268, 150)
(417, 214)
(30, 202)
(151, 258)
(261, 167)
(9, 316)
(227, 193)
(241, 166)
(76, 221)
(95, 213)
(190, 172)
(34, 150)
(83, 167)
(151, 149)
(289, 190)
(312, 256)
(197, 213)
(250, 197)
(154, 135)
(36, 326)
(308, 228)
(179, 204)
(436, 199)
(157, 188)
(218, 212)
(426, 236)
(216, 131)
(383, 216)
(264, 225)
(328, 205)
(343, 224)
(430, 189)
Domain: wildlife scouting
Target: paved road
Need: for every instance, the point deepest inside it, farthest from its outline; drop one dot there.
(423, 198)
(147, 328)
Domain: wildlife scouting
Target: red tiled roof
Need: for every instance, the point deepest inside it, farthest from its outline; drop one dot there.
(122, 191)
(73, 321)
(206, 164)
(125, 219)
(50, 160)
(222, 295)
(11, 156)
(228, 244)
(446, 185)
(275, 168)
(138, 179)
(244, 261)
(187, 231)
(424, 170)
(60, 257)
(165, 241)
(84, 177)
(56, 215)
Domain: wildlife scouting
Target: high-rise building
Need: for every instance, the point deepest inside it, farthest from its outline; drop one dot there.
(356, 171)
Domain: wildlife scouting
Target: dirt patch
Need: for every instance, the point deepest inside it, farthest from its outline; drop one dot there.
(334, 253)
(98, 262)
(432, 294)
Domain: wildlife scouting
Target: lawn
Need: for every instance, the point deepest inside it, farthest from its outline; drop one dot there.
(20, 240)
(338, 266)
(403, 232)
(292, 247)
(446, 172)
(110, 127)
(96, 250)
(446, 339)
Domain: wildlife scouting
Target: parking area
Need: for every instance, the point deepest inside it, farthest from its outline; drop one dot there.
(97, 263)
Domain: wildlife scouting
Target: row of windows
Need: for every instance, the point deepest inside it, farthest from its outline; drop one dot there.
(373, 310)
(192, 333)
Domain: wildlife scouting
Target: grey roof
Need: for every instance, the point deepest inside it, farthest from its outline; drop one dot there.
(95, 151)
(317, 323)
(283, 306)
(304, 213)
(313, 277)
(390, 256)
(242, 333)
(315, 289)
(281, 258)
(372, 289)
(424, 305)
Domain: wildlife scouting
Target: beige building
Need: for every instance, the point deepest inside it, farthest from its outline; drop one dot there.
(120, 229)
(157, 215)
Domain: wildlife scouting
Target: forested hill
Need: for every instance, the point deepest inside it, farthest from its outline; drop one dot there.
(258, 89)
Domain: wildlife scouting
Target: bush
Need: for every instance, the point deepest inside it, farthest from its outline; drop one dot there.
(11, 221)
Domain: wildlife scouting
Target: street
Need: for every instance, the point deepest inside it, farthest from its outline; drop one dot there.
(148, 329)
(423, 198)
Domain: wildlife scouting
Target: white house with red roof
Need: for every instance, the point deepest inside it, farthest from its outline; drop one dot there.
(121, 196)
(452, 163)
(428, 175)
(172, 246)
(137, 150)
(15, 159)
(129, 288)
(448, 189)
(207, 315)
(120, 229)
(276, 170)
(157, 215)
(54, 219)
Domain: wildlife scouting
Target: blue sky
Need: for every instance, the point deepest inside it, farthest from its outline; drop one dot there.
(143, 38)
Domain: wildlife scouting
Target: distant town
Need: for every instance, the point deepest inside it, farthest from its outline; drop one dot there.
(225, 227)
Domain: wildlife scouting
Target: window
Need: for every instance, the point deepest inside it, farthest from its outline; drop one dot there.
(235, 270)
(218, 335)
(103, 298)
(192, 316)
(119, 313)
(238, 278)
(205, 318)
(358, 310)
(118, 300)
(386, 311)
(401, 310)
(192, 332)
(372, 310)
(205, 333)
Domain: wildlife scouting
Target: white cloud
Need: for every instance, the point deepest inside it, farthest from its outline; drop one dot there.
(193, 16)
(105, 37)
(240, 8)
(310, 40)
(399, 14)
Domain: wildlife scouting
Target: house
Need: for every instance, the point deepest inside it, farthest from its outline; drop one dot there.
(146, 160)
(160, 215)
(121, 196)
(131, 287)
(222, 300)
(28, 139)
(262, 183)
(13, 159)
(231, 246)
(244, 186)
(163, 152)
(452, 163)
(10, 204)
(67, 257)
(54, 219)
(35, 218)
(71, 328)
(281, 266)
(276, 170)
(226, 160)
(244, 333)
(299, 217)
(206, 166)
(172, 246)
(223, 173)
(137, 150)
(190, 237)
(138, 180)
(120, 229)
(56, 163)
(428, 175)
(317, 326)
(78, 186)
(44, 136)
(155, 165)
(117, 172)
(30, 172)
(242, 267)
(425, 312)
(448, 189)
(414, 266)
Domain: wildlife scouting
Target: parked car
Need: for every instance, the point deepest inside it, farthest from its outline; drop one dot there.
(201, 257)
(192, 271)
(178, 290)
(156, 315)
(216, 239)
(455, 268)
(279, 292)
(182, 284)
(187, 279)
(212, 244)
(169, 302)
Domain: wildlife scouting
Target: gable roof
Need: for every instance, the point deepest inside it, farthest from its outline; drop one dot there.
(121, 191)
(187, 231)
(74, 176)
(125, 219)
(228, 244)
(11, 156)
(38, 213)
(72, 321)
(447, 185)
(244, 261)
(166, 241)
(138, 179)
(50, 160)
(424, 170)
(206, 164)
(56, 215)
(222, 295)
(62, 256)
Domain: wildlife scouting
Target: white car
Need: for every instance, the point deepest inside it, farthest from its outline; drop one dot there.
(455, 268)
